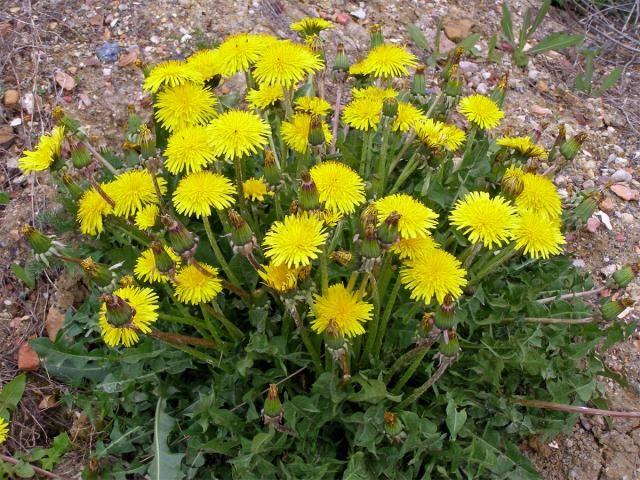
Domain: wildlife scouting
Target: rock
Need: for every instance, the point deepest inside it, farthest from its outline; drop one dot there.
(64, 80)
(621, 162)
(542, 86)
(11, 97)
(457, 29)
(588, 184)
(627, 218)
(625, 192)
(621, 176)
(108, 52)
(97, 20)
(608, 270)
(6, 135)
(54, 321)
(540, 111)
(482, 88)
(608, 205)
(127, 58)
(578, 263)
(342, 18)
(533, 75)
(593, 224)
(28, 360)
(28, 102)
(468, 67)
(446, 45)
(359, 13)
(561, 180)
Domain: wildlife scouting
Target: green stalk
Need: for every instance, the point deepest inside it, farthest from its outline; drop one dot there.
(210, 325)
(366, 140)
(469, 146)
(409, 138)
(410, 371)
(216, 312)
(324, 270)
(336, 237)
(287, 100)
(390, 302)
(502, 257)
(418, 392)
(315, 357)
(406, 172)
(191, 351)
(405, 357)
(237, 162)
(218, 253)
(373, 328)
(382, 158)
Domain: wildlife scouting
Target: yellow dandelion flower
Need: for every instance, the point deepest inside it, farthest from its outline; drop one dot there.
(92, 207)
(147, 217)
(45, 153)
(240, 51)
(189, 150)
(295, 241)
(536, 235)
(142, 312)
(237, 133)
(310, 26)
(524, 145)
(330, 218)
(286, 63)
(512, 183)
(340, 312)
(435, 273)
(388, 60)
(313, 105)
(205, 62)
(340, 188)
(363, 113)
(481, 111)
(200, 192)
(147, 270)
(416, 219)
(193, 286)
(407, 117)
(431, 133)
(264, 96)
(540, 195)
(484, 219)
(185, 105)
(358, 68)
(296, 132)
(280, 278)
(454, 137)
(133, 190)
(255, 189)
(413, 247)
(373, 92)
(4, 430)
(170, 74)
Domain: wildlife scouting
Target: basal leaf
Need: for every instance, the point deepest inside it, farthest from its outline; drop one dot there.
(165, 464)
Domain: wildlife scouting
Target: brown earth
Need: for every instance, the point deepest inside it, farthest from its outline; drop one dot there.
(48, 58)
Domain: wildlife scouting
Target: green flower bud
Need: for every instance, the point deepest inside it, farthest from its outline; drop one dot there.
(623, 277)
(390, 107)
(75, 191)
(425, 327)
(118, 312)
(570, 148)
(164, 263)
(181, 240)
(80, 156)
(147, 141)
(418, 82)
(308, 194)
(453, 87)
(586, 208)
(393, 428)
(272, 405)
(243, 241)
(388, 230)
(99, 273)
(271, 170)
(342, 257)
(316, 132)
(451, 345)
(500, 91)
(40, 242)
(376, 36)
(445, 316)
(341, 62)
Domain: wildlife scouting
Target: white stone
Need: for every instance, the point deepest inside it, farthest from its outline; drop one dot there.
(621, 176)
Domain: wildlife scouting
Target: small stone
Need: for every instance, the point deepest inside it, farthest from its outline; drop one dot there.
(72, 70)
(11, 97)
(6, 135)
(64, 80)
(621, 161)
(540, 111)
(54, 321)
(593, 224)
(608, 205)
(469, 67)
(108, 52)
(28, 102)
(446, 45)
(625, 192)
(542, 86)
(578, 263)
(127, 58)
(96, 20)
(155, 39)
(359, 13)
(608, 270)
(482, 88)
(618, 149)
(621, 176)
(533, 74)
(561, 180)
(457, 29)
(28, 360)
(626, 218)
(589, 184)
(342, 18)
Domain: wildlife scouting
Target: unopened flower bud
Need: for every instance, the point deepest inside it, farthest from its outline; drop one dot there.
(118, 312)
(370, 252)
(570, 148)
(99, 273)
(342, 61)
(450, 345)
(342, 257)
(425, 327)
(418, 82)
(147, 141)
(316, 132)
(181, 240)
(243, 241)
(453, 61)
(624, 276)
(271, 170)
(308, 194)
(445, 315)
(586, 208)
(390, 107)
(512, 183)
(612, 308)
(272, 412)
(500, 90)
(453, 86)
(388, 230)
(376, 36)
(164, 262)
(127, 281)
(393, 428)
(80, 156)
(74, 189)
(40, 242)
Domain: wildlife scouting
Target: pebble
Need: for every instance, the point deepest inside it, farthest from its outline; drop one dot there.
(482, 88)
(621, 176)
(608, 270)
(533, 74)
(561, 180)
(589, 184)
(626, 218)
(579, 263)
(108, 52)
(593, 224)
(621, 162)
(11, 97)
(359, 13)
(618, 149)
(468, 67)
(608, 205)
(486, 75)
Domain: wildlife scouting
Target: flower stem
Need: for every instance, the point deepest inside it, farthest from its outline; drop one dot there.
(409, 138)
(418, 392)
(569, 296)
(410, 371)
(501, 258)
(218, 253)
(287, 100)
(406, 172)
(216, 312)
(386, 316)
(336, 116)
(382, 157)
(324, 269)
(237, 162)
(315, 356)
(366, 141)
(425, 344)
